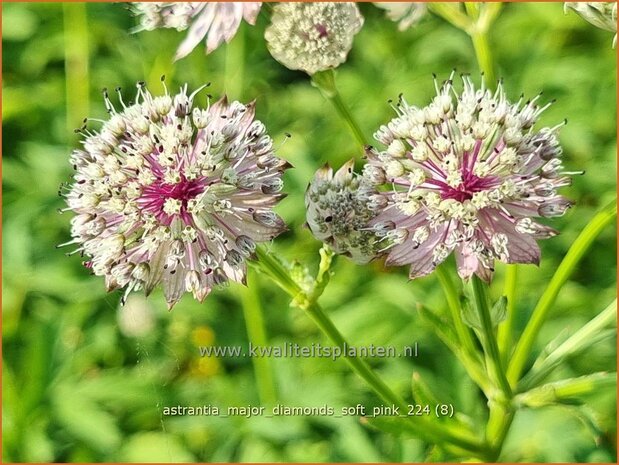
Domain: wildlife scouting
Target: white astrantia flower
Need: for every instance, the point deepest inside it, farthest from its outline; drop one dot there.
(339, 209)
(600, 14)
(467, 174)
(172, 195)
(312, 36)
(406, 14)
(217, 21)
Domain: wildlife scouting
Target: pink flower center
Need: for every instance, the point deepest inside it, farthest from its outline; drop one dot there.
(155, 195)
(469, 185)
(322, 30)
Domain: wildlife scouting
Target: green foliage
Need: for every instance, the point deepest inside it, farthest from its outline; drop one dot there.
(79, 386)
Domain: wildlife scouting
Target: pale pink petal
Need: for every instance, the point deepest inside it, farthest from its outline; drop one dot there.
(196, 32)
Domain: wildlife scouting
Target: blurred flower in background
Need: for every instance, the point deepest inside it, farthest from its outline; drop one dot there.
(312, 37)
(217, 21)
(468, 177)
(136, 318)
(164, 194)
(406, 14)
(339, 209)
(600, 14)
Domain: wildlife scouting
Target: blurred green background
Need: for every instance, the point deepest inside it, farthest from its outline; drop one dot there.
(86, 381)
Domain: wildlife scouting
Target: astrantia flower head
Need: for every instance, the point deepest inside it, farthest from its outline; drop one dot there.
(468, 174)
(313, 36)
(339, 210)
(217, 21)
(174, 195)
(600, 14)
(407, 14)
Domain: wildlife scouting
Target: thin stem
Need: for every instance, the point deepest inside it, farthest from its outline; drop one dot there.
(577, 250)
(361, 368)
(566, 390)
(499, 422)
(325, 81)
(470, 361)
(358, 365)
(490, 343)
(256, 332)
(273, 268)
(501, 412)
(484, 57)
(504, 336)
(453, 303)
(344, 112)
(268, 264)
(586, 336)
(76, 62)
(451, 13)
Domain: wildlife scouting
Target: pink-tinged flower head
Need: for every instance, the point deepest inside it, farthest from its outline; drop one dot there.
(174, 195)
(217, 21)
(339, 210)
(406, 14)
(600, 14)
(312, 36)
(468, 174)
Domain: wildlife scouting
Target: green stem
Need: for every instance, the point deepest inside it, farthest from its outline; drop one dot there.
(254, 322)
(453, 303)
(504, 336)
(361, 368)
(566, 390)
(577, 342)
(501, 412)
(451, 13)
(76, 62)
(357, 364)
(499, 421)
(484, 57)
(471, 362)
(268, 264)
(325, 81)
(490, 343)
(577, 250)
(273, 268)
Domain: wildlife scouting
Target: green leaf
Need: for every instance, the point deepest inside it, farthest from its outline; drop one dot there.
(154, 447)
(85, 420)
(38, 446)
(498, 313)
(567, 391)
(470, 315)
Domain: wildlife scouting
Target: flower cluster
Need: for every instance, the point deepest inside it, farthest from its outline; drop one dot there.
(174, 195)
(467, 174)
(600, 14)
(339, 209)
(406, 14)
(217, 21)
(313, 36)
